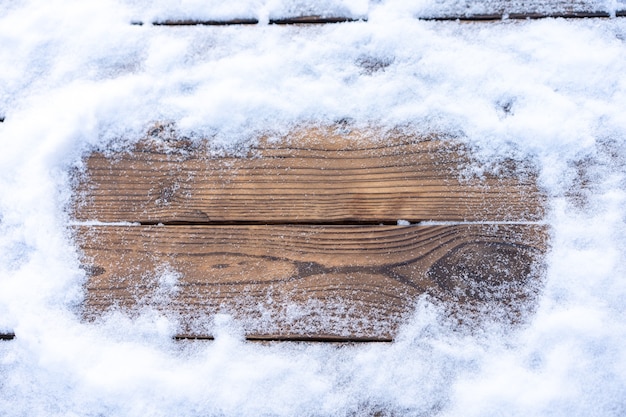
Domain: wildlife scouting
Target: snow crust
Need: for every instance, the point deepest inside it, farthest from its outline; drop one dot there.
(75, 76)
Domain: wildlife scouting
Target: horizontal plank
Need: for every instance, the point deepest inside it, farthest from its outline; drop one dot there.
(319, 176)
(314, 20)
(294, 20)
(203, 22)
(324, 282)
(472, 10)
(490, 17)
(524, 9)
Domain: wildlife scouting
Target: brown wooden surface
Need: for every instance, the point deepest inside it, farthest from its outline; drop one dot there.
(320, 176)
(310, 281)
(287, 237)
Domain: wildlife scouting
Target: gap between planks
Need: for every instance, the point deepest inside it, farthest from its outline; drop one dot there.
(95, 223)
(294, 338)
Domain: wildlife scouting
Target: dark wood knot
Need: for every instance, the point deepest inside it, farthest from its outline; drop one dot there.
(486, 272)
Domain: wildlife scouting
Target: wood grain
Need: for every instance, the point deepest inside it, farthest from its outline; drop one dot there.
(313, 176)
(325, 282)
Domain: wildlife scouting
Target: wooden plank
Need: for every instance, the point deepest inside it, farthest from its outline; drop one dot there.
(490, 17)
(330, 282)
(524, 9)
(472, 10)
(289, 20)
(314, 20)
(316, 175)
(204, 22)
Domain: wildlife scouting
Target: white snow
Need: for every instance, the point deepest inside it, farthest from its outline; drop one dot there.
(75, 76)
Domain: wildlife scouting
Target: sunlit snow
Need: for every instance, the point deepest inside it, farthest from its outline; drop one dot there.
(76, 75)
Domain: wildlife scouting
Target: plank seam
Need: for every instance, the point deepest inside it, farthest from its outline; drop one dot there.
(303, 223)
(288, 338)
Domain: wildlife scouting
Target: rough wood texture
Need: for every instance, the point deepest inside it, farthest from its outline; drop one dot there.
(325, 282)
(320, 176)
(287, 239)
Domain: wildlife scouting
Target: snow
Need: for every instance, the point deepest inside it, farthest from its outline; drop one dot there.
(76, 76)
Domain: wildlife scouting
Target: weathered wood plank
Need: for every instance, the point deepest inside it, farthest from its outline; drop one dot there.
(311, 281)
(313, 176)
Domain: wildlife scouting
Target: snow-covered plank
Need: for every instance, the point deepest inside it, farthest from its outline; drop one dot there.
(215, 12)
(519, 9)
(314, 19)
(311, 282)
(313, 176)
(333, 11)
(288, 20)
(204, 22)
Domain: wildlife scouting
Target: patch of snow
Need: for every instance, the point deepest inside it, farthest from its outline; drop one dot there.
(76, 76)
